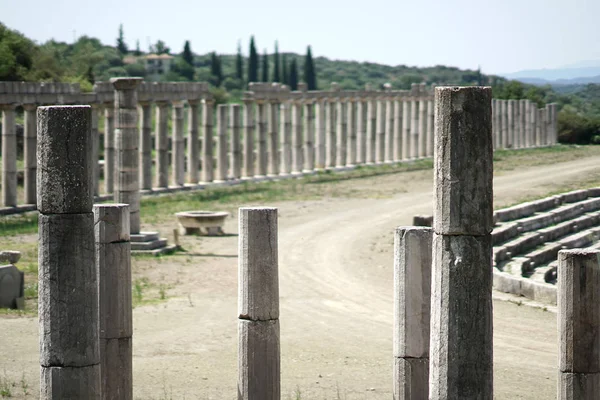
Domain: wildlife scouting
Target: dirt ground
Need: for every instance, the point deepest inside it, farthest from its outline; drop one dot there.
(335, 262)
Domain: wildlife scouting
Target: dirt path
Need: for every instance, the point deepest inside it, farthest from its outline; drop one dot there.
(336, 303)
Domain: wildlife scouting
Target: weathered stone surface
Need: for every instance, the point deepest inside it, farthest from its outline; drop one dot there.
(411, 378)
(11, 286)
(249, 139)
(262, 139)
(236, 148)
(258, 360)
(207, 142)
(412, 291)
(463, 202)
(258, 297)
(193, 143)
(64, 176)
(116, 369)
(273, 133)
(423, 220)
(61, 383)
(578, 386)
(162, 145)
(68, 291)
(578, 311)
(9, 158)
(461, 318)
(9, 256)
(222, 144)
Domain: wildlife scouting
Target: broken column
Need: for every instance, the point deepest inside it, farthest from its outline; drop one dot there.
(9, 157)
(578, 324)
(261, 117)
(361, 131)
(222, 142)
(412, 298)
(236, 146)
(351, 129)
(68, 283)
(286, 128)
(146, 146)
(208, 162)
(430, 127)
(258, 306)
(309, 136)
(389, 130)
(422, 128)
(273, 111)
(249, 138)
(162, 144)
(397, 129)
(95, 147)
(109, 148)
(127, 190)
(504, 122)
(461, 299)
(371, 130)
(414, 128)
(341, 132)
(296, 137)
(380, 132)
(321, 132)
(178, 145)
(29, 153)
(406, 145)
(193, 148)
(113, 260)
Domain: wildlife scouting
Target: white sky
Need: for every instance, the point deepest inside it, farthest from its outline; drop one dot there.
(502, 36)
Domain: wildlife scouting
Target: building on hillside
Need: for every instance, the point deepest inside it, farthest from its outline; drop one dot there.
(157, 65)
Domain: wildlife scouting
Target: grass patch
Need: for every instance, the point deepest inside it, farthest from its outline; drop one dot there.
(145, 292)
(12, 225)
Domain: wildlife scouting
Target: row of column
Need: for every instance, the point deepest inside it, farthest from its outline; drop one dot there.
(521, 124)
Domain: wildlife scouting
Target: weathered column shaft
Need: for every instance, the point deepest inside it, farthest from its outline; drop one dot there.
(208, 160)
(389, 130)
(222, 144)
(578, 324)
(127, 190)
(527, 112)
(262, 138)
(258, 306)
(461, 361)
(422, 128)
(146, 146)
(296, 137)
(162, 145)
(351, 129)
(341, 133)
(95, 149)
(523, 124)
(109, 148)
(330, 130)
(9, 157)
(517, 124)
(68, 284)
(178, 145)
(309, 137)
(236, 149)
(397, 134)
(361, 131)
(430, 127)
(193, 147)
(249, 132)
(371, 130)
(321, 134)
(539, 121)
(414, 128)
(504, 123)
(29, 153)
(273, 108)
(286, 128)
(406, 119)
(380, 132)
(113, 260)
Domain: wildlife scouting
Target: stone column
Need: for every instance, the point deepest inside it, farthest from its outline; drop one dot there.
(249, 130)
(523, 123)
(554, 123)
(406, 113)
(262, 138)
(273, 108)
(414, 129)
(95, 149)
(380, 131)
(68, 284)
(539, 121)
(544, 126)
(127, 147)
(309, 137)
(258, 306)
(341, 133)
(236, 149)
(351, 129)
(321, 133)
(193, 149)
(296, 137)
(533, 124)
(9, 157)
(412, 299)
(146, 146)
(388, 145)
(510, 111)
(422, 128)
(286, 128)
(528, 137)
(113, 260)
(208, 161)
(371, 130)
(461, 362)
(517, 124)
(361, 131)
(109, 148)
(222, 142)
(430, 127)
(494, 122)
(29, 153)
(578, 324)
(178, 145)
(504, 123)
(162, 144)
(397, 134)
(330, 130)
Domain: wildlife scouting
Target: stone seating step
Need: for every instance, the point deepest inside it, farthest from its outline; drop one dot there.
(150, 245)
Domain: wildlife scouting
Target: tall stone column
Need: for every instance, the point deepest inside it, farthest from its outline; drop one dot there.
(9, 157)
(351, 129)
(146, 146)
(95, 149)
(554, 123)
(208, 160)
(296, 137)
(361, 127)
(273, 108)
(406, 145)
(461, 361)
(388, 145)
(286, 128)
(422, 128)
(414, 128)
(539, 122)
(29, 153)
(341, 132)
(222, 142)
(371, 130)
(494, 122)
(127, 147)
(262, 138)
(178, 145)
(109, 148)
(533, 123)
(162, 144)
(528, 136)
(309, 136)
(543, 126)
(430, 127)
(380, 132)
(236, 149)
(397, 141)
(504, 123)
(321, 133)
(193, 149)
(330, 129)
(68, 275)
(249, 132)
(517, 124)
(523, 123)
(510, 115)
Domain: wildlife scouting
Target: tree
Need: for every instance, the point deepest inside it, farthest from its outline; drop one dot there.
(252, 62)
(137, 51)
(265, 67)
(215, 69)
(276, 69)
(187, 55)
(285, 79)
(293, 75)
(309, 71)
(17, 55)
(160, 48)
(121, 45)
(239, 64)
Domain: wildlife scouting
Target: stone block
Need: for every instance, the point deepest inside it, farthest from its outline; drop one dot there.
(423, 220)
(114, 270)
(111, 223)
(9, 256)
(411, 378)
(70, 383)
(11, 287)
(116, 368)
(578, 386)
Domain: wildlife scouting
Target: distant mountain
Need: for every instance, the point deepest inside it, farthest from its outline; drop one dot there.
(580, 73)
(560, 82)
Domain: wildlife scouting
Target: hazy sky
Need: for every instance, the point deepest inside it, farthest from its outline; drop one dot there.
(501, 35)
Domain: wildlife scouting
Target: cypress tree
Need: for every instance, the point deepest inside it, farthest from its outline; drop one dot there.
(239, 64)
(137, 51)
(121, 45)
(285, 79)
(265, 67)
(276, 71)
(215, 68)
(252, 62)
(294, 75)
(309, 71)
(187, 55)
